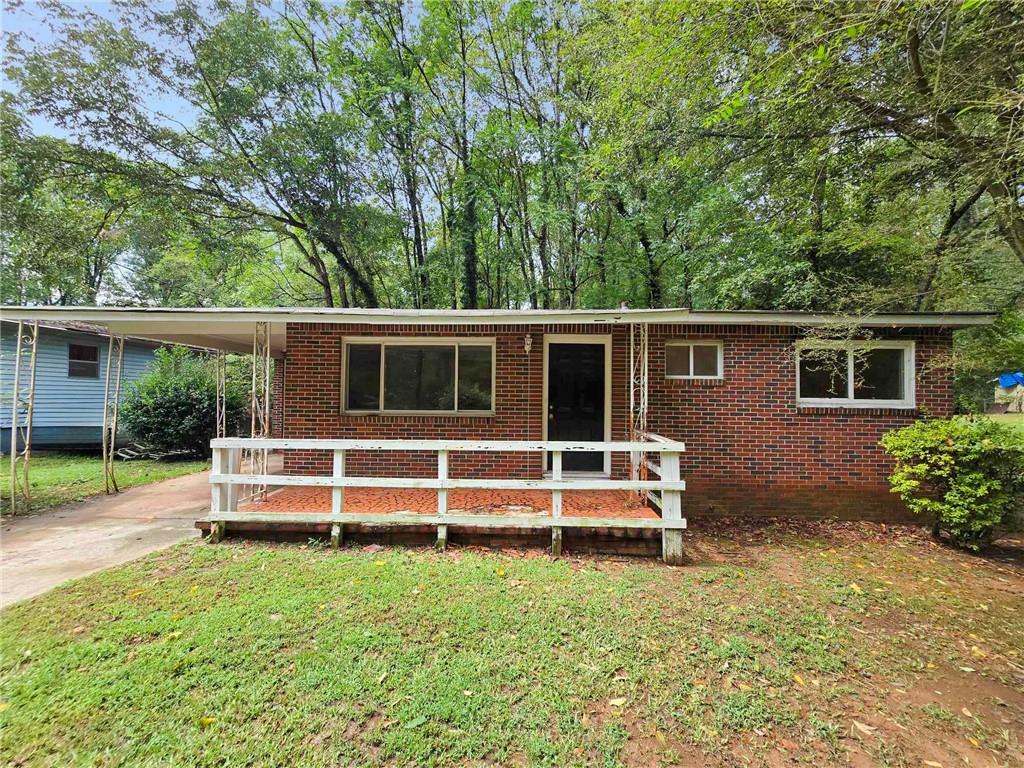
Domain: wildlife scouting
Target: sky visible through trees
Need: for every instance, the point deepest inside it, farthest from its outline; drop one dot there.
(842, 156)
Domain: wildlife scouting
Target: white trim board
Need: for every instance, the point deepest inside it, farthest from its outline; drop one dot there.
(179, 315)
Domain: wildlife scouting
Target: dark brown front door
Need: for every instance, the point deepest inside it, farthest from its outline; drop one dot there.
(576, 401)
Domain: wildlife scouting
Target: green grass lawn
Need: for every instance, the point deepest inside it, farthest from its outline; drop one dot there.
(1013, 419)
(58, 478)
(810, 643)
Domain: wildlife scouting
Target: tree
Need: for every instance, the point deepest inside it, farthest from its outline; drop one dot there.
(266, 143)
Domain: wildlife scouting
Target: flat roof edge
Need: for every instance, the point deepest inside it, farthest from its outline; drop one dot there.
(105, 315)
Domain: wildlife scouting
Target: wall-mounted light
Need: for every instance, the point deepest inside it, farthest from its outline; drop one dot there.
(527, 343)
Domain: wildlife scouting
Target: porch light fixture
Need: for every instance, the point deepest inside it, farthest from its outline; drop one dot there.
(527, 343)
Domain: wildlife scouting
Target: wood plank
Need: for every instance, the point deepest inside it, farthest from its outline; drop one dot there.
(442, 500)
(482, 521)
(567, 484)
(338, 491)
(671, 509)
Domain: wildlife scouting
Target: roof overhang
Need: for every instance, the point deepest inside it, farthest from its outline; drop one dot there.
(231, 329)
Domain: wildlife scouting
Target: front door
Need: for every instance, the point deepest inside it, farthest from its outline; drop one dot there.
(576, 401)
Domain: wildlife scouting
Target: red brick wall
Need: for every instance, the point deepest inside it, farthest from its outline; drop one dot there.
(750, 450)
(277, 399)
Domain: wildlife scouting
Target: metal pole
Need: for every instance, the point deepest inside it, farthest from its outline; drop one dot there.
(14, 422)
(221, 373)
(115, 361)
(116, 404)
(259, 405)
(21, 486)
(27, 440)
(106, 413)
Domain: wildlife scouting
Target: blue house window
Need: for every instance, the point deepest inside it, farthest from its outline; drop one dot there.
(83, 361)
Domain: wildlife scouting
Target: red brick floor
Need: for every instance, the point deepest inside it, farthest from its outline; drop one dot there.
(424, 501)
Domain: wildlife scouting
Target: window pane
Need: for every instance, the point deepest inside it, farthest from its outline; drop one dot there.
(363, 370)
(823, 373)
(81, 370)
(419, 378)
(83, 361)
(705, 360)
(474, 378)
(879, 374)
(84, 353)
(677, 360)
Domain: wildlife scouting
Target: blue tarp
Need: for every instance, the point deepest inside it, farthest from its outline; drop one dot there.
(1010, 380)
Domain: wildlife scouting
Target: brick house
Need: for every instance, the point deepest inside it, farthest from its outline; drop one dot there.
(780, 412)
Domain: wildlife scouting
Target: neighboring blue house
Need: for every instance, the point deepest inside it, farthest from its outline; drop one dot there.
(71, 365)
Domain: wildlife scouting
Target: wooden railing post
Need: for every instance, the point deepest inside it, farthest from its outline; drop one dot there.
(556, 504)
(338, 500)
(219, 491)
(442, 499)
(671, 509)
(233, 467)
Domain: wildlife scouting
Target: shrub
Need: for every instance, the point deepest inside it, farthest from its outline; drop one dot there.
(174, 406)
(968, 473)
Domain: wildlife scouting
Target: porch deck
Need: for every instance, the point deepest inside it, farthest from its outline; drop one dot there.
(598, 504)
(341, 504)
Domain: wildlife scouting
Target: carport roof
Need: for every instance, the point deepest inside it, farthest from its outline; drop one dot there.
(231, 328)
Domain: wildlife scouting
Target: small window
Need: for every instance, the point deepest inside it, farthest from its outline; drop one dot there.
(403, 376)
(693, 360)
(83, 361)
(858, 374)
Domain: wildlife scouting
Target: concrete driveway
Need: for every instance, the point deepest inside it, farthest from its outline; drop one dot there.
(37, 553)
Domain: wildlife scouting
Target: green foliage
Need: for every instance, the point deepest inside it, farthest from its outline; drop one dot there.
(843, 156)
(174, 406)
(980, 354)
(966, 473)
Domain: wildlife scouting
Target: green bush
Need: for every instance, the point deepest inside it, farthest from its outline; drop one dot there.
(967, 473)
(174, 406)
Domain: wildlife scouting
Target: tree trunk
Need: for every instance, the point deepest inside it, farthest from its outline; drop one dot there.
(361, 286)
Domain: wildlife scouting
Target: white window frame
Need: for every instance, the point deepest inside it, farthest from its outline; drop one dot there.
(419, 341)
(909, 374)
(700, 343)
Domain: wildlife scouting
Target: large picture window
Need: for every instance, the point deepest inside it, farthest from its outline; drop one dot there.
(856, 374)
(419, 376)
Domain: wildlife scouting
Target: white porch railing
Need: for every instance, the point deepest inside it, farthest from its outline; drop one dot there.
(227, 476)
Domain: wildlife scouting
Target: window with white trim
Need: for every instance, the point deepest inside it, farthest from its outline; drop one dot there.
(856, 374)
(83, 361)
(419, 375)
(693, 359)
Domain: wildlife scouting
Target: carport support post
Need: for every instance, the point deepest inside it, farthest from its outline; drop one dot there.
(556, 504)
(672, 509)
(111, 400)
(22, 435)
(442, 499)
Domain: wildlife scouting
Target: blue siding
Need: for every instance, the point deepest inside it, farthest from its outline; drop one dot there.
(61, 400)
